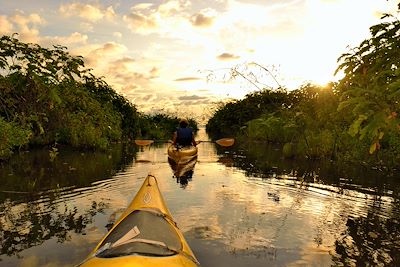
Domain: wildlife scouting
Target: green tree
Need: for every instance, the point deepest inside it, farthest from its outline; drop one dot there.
(161, 126)
(52, 94)
(11, 136)
(233, 116)
(370, 88)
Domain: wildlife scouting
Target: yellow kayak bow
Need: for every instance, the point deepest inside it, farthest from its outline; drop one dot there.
(145, 235)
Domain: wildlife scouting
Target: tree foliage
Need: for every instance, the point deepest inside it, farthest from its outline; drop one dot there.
(303, 119)
(47, 96)
(51, 92)
(370, 88)
(231, 117)
(11, 136)
(348, 120)
(161, 126)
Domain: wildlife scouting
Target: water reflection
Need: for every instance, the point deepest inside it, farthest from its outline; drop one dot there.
(371, 235)
(183, 171)
(369, 241)
(266, 161)
(28, 175)
(27, 225)
(36, 195)
(245, 206)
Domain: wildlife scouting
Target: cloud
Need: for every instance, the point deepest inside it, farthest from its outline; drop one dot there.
(148, 97)
(112, 47)
(117, 34)
(167, 17)
(141, 23)
(154, 72)
(101, 54)
(262, 2)
(73, 38)
(187, 79)
(87, 11)
(173, 7)
(192, 97)
(197, 102)
(6, 27)
(23, 20)
(123, 74)
(124, 61)
(142, 6)
(86, 27)
(126, 71)
(25, 25)
(227, 56)
(201, 20)
(204, 18)
(152, 101)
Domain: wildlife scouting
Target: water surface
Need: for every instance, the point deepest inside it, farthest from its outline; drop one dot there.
(243, 206)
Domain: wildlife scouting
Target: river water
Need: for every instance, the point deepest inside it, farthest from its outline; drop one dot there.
(244, 206)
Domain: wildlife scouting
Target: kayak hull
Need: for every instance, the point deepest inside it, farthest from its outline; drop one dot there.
(182, 154)
(182, 160)
(140, 261)
(128, 242)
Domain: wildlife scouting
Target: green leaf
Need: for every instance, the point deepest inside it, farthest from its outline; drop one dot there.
(356, 125)
(372, 148)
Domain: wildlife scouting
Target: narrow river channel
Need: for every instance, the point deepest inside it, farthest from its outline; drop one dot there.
(244, 206)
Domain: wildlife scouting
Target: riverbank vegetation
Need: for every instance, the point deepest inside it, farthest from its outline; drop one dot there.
(48, 97)
(161, 126)
(354, 119)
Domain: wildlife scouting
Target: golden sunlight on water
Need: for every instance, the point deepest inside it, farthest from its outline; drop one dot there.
(229, 217)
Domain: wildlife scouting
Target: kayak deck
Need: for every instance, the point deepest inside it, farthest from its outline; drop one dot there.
(182, 160)
(145, 235)
(182, 155)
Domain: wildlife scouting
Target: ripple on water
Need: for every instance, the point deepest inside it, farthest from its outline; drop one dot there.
(230, 216)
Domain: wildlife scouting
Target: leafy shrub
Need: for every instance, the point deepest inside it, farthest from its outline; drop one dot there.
(317, 144)
(289, 150)
(12, 136)
(51, 92)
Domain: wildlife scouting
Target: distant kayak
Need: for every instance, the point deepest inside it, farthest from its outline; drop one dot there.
(144, 235)
(182, 160)
(182, 154)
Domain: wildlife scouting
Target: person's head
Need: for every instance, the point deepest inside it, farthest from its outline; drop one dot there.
(183, 123)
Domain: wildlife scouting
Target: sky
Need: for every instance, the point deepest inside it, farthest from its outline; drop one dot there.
(175, 56)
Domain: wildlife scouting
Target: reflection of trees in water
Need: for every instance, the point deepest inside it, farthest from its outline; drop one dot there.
(373, 240)
(266, 161)
(35, 223)
(31, 185)
(369, 241)
(29, 174)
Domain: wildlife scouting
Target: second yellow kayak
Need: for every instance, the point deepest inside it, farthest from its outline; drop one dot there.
(182, 155)
(182, 160)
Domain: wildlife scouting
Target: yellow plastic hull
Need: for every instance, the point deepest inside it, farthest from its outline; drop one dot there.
(148, 198)
(182, 160)
(182, 154)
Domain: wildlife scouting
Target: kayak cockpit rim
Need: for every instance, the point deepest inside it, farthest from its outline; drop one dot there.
(143, 241)
(143, 231)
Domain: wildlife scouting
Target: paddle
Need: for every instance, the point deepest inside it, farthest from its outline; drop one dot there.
(221, 142)
(146, 142)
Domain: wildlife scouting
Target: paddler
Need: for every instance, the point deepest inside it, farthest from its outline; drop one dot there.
(183, 136)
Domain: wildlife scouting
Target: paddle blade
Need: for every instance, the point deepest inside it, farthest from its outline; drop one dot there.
(143, 142)
(225, 141)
